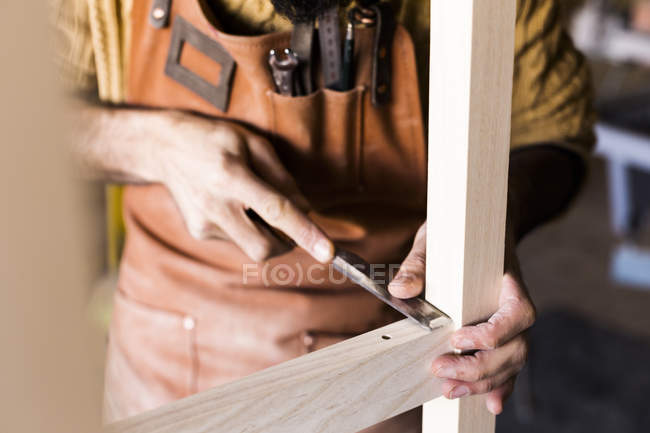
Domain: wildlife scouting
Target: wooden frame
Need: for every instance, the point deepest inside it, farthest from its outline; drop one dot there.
(364, 380)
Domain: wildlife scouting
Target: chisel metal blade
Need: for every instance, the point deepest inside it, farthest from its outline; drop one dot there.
(358, 270)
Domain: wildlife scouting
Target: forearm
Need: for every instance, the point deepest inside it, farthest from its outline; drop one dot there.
(117, 144)
(542, 181)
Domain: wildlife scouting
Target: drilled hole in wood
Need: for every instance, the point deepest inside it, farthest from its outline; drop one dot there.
(386, 337)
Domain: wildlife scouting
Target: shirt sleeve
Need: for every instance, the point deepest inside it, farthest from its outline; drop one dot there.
(552, 94)
(73, 44)
(91, 42)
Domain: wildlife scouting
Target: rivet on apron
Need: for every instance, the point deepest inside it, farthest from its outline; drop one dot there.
(189, 323)
(158, 13)
(308, 340)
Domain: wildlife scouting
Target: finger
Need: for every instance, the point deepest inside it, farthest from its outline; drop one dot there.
(516, 314)
(497, 397)
(268, 166)
(483, 364)
(281, 213)
(256, 243)
(453, 389)
(409, 280)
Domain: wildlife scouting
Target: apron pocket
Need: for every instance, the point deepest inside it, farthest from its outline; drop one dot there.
(318, 137)
(158, 345)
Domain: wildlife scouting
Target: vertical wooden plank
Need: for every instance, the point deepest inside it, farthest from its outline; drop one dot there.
(472, 51)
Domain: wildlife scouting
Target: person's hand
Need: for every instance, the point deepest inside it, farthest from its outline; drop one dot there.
(216, 171)
(497, 348)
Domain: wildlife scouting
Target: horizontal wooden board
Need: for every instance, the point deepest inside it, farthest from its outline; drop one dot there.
(342, 388)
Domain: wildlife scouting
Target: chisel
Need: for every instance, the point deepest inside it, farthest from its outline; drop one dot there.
(358, 271)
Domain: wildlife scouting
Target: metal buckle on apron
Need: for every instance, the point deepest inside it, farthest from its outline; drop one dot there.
(182, 32)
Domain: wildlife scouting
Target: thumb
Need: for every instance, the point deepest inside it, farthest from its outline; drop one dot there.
(409, 281)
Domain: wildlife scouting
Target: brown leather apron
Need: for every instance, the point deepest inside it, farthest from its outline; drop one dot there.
(189, 315)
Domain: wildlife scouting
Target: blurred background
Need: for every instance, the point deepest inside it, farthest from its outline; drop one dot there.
(588, 272)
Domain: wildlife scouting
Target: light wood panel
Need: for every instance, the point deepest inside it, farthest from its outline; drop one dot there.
(472, 50)
(343, 388)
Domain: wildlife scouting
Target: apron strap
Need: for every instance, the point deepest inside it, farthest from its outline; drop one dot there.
(381, 56)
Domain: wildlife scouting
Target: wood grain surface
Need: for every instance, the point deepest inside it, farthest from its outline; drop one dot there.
(341, 389)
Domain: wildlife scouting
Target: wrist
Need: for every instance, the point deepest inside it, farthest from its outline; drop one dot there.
(155, 143)
(180, 142)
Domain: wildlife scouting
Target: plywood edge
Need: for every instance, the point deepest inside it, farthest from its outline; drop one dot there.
(343, 388)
